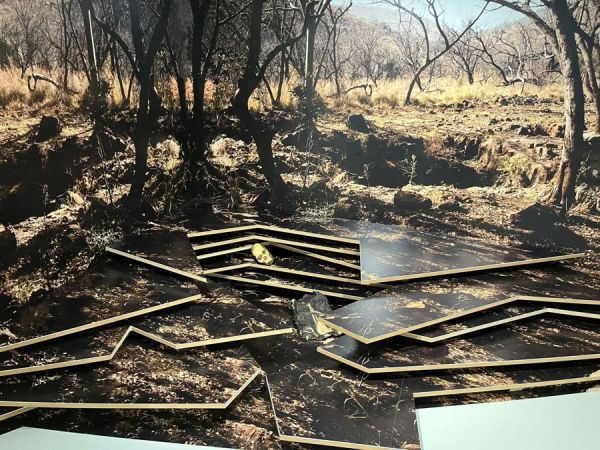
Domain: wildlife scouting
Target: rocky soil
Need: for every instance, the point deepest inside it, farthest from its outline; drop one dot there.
(472, 169)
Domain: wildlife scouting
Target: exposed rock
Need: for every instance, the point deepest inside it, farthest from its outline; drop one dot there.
(545, 150)
(539, 130)
(8, 246)
(385, 173)
(587, 197)
(470, 148)
(444, 171)
(301, 137)
(376, 146)
(374, 209)
(530, 130)
(593, 142)
(358, 123)
(23, 200)
(535, 217)
(32, 162)
(410, 201)
(75, 198)
(346, 208)
(319, 191)
(558, 235)
(350, 150)
(505, 100)
(450, 204)
(467, 146)
(49, 127)
(556, 130)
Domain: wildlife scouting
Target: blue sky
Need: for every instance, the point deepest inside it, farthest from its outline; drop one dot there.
(455, 11)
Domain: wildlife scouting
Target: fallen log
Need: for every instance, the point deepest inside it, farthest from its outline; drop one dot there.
(35, 77)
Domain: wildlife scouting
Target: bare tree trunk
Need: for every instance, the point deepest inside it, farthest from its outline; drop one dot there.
(595, 56)
(200, 10)
(180, 80)
(86, 12)
(587, 48)
(311, 30)
(449, 41)
(66, 40)
(247, 85)
(141, 140)
(149, 103)
(573, 105)
(336, 70)
(415, 80)
(282, 64)
(181, 91)
(117, 68)
(470, 77)
(561, 34)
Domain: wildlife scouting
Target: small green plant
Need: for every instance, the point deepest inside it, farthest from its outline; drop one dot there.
(408, 167)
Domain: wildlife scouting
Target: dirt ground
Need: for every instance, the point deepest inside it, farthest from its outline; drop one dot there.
(472, 166)
(469, 170)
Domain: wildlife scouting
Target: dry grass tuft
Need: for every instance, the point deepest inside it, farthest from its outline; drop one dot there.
(14, 91)
(388, 94)
(445, 91)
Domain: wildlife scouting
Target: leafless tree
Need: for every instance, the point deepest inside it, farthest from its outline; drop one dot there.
(488, 45)
(314, 13)
(421, 21)
(560, 28)
(177, 44)
(411, 47)
(333, 27)
(200, 9)
(25, 34)
(466, 55)
(142, 58)
(254, 72)
(370, 54)
(92, 63)
(326, 48)
(588, 24)
(58, 34)
(148, 110)
(205, 36)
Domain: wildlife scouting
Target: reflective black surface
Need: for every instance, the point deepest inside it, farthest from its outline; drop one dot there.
(110, 288)
(70, 349)
(139, 373)
(525, 342)
(222, 316)
(394, 312)
(395, 252)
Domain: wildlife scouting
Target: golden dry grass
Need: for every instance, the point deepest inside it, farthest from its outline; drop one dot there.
(388, 94)
(444, 91)
(14, 90)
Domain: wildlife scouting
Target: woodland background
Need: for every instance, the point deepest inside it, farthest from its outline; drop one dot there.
(116, 113)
